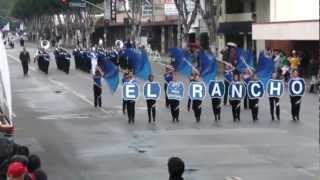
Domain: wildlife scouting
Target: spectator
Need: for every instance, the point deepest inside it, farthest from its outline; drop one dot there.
(5, 127)
(40, 175)
(313, 69)
(21, 159)
(16, 171)
(175, 168)
(284, 67)
(276, 60)
(34, 163)
(23, 150)
(294, 61)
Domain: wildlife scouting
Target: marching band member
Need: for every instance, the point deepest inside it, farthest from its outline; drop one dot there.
(25, 60)
(274, 102)
(228, 76)
(196, 104)
(151, 105)
(168, 77)
(131, 103)
(254, 103)
(246, 79)
(216, 107)
(295, 100)
(97, 87)
(174, 105)
(43, 60)
(236, 103)
(125, 79)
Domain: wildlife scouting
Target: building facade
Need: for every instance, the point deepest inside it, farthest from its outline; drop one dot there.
(288, 25)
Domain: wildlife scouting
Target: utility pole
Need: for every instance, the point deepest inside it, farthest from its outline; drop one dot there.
(179, 28)
(107, 19)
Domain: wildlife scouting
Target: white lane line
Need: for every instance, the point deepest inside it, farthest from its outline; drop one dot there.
(58, 83)
(306, 172)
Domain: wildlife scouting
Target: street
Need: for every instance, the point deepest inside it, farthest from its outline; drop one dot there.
(55, 117)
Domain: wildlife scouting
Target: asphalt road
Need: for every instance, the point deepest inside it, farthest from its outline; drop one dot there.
(56, 119)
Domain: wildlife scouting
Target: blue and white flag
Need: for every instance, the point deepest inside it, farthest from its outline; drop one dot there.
(208, 68)
(139, 61)
(264, 68)
(244, 60)
(182, 61)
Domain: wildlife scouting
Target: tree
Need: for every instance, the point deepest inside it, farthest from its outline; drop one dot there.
(210, 15)
(46, 17)
(186, 19)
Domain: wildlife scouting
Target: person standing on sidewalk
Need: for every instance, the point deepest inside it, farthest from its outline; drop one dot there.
(25, 60)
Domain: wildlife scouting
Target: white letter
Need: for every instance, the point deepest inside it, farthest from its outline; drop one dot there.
(149, 94)
(197, 89)
(253, 87)
(274, 88)
(130, 90)
(234, 90)
(299, 91)
(216, 90)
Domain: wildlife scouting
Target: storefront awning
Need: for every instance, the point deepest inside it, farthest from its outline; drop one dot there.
(235, 27)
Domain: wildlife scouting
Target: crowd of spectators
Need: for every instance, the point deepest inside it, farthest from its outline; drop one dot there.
(16, 162)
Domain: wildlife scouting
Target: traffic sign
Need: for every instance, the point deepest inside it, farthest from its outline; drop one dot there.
(77, 3)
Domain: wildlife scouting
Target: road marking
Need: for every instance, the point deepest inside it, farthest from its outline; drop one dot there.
(303, 170)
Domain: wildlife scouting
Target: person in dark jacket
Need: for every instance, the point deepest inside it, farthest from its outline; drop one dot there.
(176, 168)
(97, 87)
(25, 60)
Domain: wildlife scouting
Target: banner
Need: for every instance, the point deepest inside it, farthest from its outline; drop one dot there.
(255, 89)
(147, 8)
(197, 91)
(151, 90)
(297, 87)
(175, 90)
(275, 88)
(237, 91)
(216, 89)
(130, 91)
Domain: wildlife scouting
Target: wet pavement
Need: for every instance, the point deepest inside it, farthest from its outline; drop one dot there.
(56, 119)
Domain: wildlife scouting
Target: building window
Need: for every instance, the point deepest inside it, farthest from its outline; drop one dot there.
(234, 6)
(252, 6)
